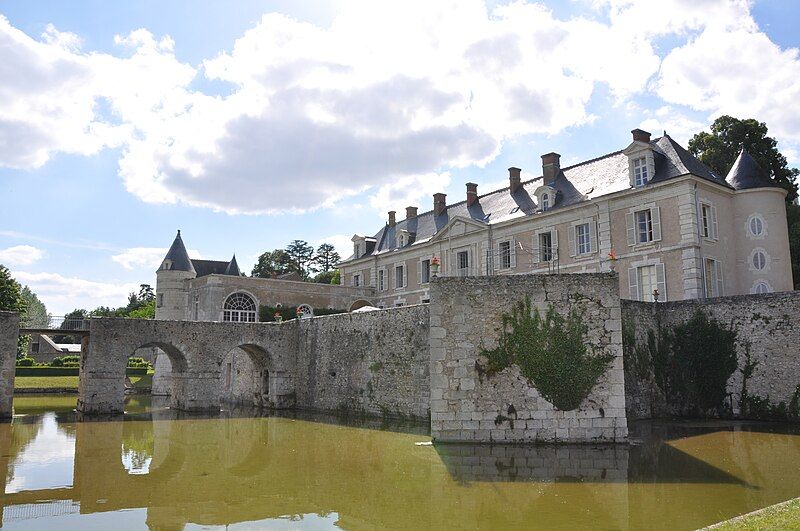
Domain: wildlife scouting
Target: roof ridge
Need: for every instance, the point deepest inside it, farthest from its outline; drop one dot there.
(607, 155)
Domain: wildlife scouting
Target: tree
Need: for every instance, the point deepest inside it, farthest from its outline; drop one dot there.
(327, 277)
(69, 321)
(35, 311)
(719, 149)
(11, 300)
(271, 264)
(302, 256)
(327, 257)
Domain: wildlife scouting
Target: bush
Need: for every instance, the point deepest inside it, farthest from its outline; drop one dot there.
(66, 361)
(138, 363)
(26, 362)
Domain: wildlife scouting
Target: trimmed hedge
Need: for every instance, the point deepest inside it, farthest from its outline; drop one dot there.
(69, 371)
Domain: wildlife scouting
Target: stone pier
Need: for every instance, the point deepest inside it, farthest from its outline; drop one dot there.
(9, 334)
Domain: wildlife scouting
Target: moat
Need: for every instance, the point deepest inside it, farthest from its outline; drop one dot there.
(164, 470)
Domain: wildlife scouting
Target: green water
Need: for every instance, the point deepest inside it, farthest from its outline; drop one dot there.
(155, 469)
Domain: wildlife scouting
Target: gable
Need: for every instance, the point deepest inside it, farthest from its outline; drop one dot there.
(459, 226)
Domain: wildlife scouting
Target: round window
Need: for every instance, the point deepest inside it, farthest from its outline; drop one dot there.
(761, 287)
(759, 260)
(756, 226)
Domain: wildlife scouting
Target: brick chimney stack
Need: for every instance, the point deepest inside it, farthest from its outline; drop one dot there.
(392, 219)
(641, 136)
(472, 194)
(439, 203)
(411, 212)
(514, 179)
(551, 166)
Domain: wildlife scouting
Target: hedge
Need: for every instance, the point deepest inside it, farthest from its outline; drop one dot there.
(69, 371)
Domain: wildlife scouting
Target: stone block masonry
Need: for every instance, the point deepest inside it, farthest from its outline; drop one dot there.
(465, 316)
(9, 332)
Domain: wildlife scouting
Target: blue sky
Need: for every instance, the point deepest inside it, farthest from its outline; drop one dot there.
(251, 123)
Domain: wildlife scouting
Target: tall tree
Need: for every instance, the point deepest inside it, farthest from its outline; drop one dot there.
(11, 300)
(302, 256)
(35, 311)
(326, 257)
(272, 263)
(719, 149)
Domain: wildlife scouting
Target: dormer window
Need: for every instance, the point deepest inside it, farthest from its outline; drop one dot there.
(545, 201)
(359, 246)
(167, 265)
(640, 173)
(545, 197)
(403, 238)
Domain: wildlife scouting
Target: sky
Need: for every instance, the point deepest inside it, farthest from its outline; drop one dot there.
(248, 124)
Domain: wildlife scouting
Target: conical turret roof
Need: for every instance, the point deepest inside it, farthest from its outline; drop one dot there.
(178, 256)
(233, 268)
(746, 173)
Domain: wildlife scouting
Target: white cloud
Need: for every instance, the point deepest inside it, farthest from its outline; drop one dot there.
(669, 119)
(145, 257)
(20, 255)
(412, 190)
(341, 242)
(62, 294)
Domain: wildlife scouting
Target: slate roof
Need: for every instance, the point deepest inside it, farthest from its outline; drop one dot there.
(181, 262)
(746, 173)
(178, 256)
(233, 268)
(575, 184)
(210, 267)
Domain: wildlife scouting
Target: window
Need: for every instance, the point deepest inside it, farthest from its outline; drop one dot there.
(708, 221)
(756, 226)
(759, 260)
(504, 249)
(545, 201)
(644, 226)
(462, 261)
(356, 249)
(196, 307)
(381, 280)
(582, 240)
(706, 209)
(648, 283)
(400, 276)
(546, 247)
(357, 280)
(761, 286)
(425, 272)
(239, 308)
(160, 300)
(640, 176)
(712, 276)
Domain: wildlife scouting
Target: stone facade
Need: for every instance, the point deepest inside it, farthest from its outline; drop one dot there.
(9, 334)
(769, 324)
(465, 315)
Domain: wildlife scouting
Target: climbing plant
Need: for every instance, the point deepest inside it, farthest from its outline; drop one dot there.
(551, 353)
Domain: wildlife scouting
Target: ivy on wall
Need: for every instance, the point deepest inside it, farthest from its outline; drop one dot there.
(551, 353)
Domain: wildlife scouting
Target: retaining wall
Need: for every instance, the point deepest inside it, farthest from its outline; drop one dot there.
(9, 332)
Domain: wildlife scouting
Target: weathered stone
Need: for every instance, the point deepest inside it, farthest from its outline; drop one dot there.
(9, 334)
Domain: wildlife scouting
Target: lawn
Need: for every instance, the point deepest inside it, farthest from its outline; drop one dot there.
(784, 515)
(68, 382)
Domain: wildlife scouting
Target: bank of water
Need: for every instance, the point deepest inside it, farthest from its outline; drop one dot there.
(241, 469)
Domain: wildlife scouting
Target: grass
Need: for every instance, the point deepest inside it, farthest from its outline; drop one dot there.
(784, 515)
(69, 382)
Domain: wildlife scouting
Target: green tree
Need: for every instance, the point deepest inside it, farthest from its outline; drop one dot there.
(302, 257)
(35, 311)
(326, 257)
(11, 300)
(327, 277)
(719, 149)
(271, 264)
(146, 311)
(69, 321)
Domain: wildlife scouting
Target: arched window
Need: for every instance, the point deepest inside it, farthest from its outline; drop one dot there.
(545, 201)
(761, 286)
(239, 308)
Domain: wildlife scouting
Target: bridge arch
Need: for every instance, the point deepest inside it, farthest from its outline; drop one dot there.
(252, 376)
(360, 303)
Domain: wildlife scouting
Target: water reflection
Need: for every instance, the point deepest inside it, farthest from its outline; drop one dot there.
(165, 470)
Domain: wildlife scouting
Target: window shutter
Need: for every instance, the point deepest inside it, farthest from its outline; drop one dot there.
(554, 240)
(419, 273)
(661, 282)
(373, 281)
(714, 226)
(535, 248)
(720, 284)
(631, 224)
(633, 284)
(496, 257)
(655, 216)
(470, 262)
(513, 253)
(572, 250)
(592, 236)
(405, 276)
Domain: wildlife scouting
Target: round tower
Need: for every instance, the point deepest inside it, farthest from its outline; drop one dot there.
(172, 291)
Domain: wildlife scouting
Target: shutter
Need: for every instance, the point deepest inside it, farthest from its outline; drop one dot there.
(513, 253)
(487, 259)
(554, 240)
(714, 227)
(373, 280)
(631, 223)
(535, 248)
(661, 282)
(655, 216)
(405, 275)
(572, 250)
(592, 236)
(419, 273)
(470, 262)
(720, 283)
(633, 284)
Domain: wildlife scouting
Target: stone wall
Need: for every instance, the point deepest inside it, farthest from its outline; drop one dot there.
(769, 324)
(9, 333)
(465, 315)
(375, 362)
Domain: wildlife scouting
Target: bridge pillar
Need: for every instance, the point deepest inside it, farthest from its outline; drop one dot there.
(101, 381)
(195, 391)
(9, 335)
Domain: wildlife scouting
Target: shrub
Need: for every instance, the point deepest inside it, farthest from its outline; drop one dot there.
(26, 362)
(66, 361)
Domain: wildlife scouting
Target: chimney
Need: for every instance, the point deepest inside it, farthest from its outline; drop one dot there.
(411, 212)
(472, 194)
(439, 203)
(392, 220)
(551, 166)
(514, 178)
(641, 136)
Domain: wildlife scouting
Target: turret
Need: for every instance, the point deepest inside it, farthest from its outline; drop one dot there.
(172, 294)
(233, 268)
